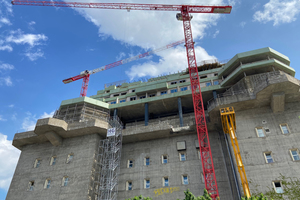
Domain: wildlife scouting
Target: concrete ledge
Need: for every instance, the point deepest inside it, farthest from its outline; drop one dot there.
(55, 130)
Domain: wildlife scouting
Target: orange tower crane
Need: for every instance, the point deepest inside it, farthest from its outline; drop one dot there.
(185, 17)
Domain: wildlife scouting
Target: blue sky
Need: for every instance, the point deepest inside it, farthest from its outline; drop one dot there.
(41, 46)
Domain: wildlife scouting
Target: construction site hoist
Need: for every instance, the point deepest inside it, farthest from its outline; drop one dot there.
(229, 127)
(185, 17)
(85, 75)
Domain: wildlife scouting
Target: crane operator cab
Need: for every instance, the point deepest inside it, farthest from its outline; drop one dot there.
(86, 72)
(179, 17)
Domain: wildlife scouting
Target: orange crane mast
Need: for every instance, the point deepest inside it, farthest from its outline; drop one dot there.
(185, 17)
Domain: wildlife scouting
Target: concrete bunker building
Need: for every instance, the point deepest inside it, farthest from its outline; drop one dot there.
(160, 152)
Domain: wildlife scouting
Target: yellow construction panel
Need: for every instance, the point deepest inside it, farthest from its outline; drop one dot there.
(229, 127)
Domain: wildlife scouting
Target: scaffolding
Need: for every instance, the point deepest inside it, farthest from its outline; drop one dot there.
(108, 161)
(81, 112)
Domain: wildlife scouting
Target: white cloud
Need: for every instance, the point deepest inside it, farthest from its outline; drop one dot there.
(150, 30)
(242, 24)
(9, 156)
(11, 106)
(6, 48)
(47, 115)
(120, 56)
(216, 33)
(173, 61)
(30, 120)
(34, 55)
(18, 37)
(278, 11)
(2, 119)
(6, 81)
(4, 20)
(31, 23)
(5, 66)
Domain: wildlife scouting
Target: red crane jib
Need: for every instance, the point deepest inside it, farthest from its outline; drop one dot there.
(204, 144)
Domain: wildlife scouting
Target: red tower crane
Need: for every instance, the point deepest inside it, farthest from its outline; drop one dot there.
(184, 15)
(85, 75)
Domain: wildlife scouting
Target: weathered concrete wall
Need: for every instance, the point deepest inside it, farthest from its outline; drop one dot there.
(174, 169)
(78, 170)
(252, 148)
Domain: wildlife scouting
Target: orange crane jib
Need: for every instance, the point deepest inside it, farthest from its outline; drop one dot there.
(185, 17)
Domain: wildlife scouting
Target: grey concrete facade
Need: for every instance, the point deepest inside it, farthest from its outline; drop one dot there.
(78, 170)
(264, 99)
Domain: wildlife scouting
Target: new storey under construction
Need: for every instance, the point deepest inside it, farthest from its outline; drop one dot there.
(77, 153)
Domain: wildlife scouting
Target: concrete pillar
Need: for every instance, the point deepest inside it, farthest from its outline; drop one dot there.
(146, 114)
(215, 94)
(115, 113)
(180, 112)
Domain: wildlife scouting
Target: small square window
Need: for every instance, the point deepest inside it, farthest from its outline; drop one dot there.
(122, 100)
(65, 181)
(30, 185)
(47, 183)
(173, 90)
(295, 154)
(284, 128)
(277, 187)
(260, 132)
(165, 181)
(147, 183)
(53, 160)
(130, 164)
(37, 163)
(132, 90)
(268, 157)
(163, 92)
(185, 180)
(164, 159)
(183, 89)
(129, 185)
(182, 156)
(147, 161)
(70, 158)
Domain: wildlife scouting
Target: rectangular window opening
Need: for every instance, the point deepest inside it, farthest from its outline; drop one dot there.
(182, 81)
(31, 185)
(53, 160)
(147, 161)
(152, 95)
(142, 97)
(295, 154)
(163, 92)
(122, 100)
(129, 185)
(70, 158)
(260, 132)
(278, 187)
(268, 157)
(166, 181)
(130, 164)
(182, 156)
(202, 77)
(183, 89)
(173, 90)
(174, 82)
(147, 183)
(185, 180)
(123, 93)
(284, 128)
(164, 159)
(37, 163)
(132, 98)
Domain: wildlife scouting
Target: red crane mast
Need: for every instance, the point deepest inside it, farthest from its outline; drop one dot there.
(184, 15)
